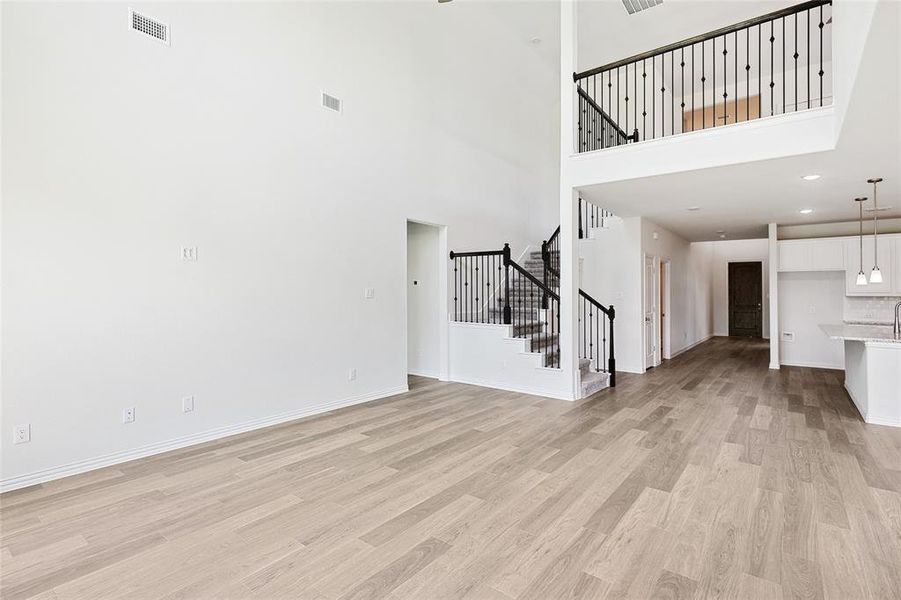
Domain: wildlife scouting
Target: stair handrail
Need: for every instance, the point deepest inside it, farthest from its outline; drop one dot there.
(546, 246)
(629, 137)
(610, 313)
(504, 254)
(716, 33)
(480, 275)
(541, 285)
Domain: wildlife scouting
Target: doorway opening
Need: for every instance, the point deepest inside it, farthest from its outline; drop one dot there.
(746, 299)
(424, 333)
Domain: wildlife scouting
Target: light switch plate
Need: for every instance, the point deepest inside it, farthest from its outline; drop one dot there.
(788, 336)
(369, 293)
(187, 404)
(189, 253)
(22, 434)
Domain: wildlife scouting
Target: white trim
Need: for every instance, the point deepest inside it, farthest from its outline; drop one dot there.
(711, 132)
(666, 330)
(813, 365)
(690, 346)
(422, 374)
(115, 458)
(510, 388)
(871, 420)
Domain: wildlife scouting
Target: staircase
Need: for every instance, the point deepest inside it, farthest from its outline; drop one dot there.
(491, 288)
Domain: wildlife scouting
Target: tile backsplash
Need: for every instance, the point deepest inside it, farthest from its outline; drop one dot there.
(870, 309)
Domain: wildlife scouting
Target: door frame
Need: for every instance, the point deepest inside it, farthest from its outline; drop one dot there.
(665, 309)
(443, 303)
(655, 358)
(763, 293)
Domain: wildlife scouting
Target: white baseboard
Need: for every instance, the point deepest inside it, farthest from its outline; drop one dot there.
(115, 458)
(510, 388)
(876, 420)
(688, 347)
(812, 365)
(422, 374)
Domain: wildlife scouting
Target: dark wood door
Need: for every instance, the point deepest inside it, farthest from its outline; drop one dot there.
(745, 299)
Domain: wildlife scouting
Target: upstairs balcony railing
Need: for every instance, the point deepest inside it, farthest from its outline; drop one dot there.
(774, 64)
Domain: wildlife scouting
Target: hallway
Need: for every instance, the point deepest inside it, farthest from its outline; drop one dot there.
(710, 476)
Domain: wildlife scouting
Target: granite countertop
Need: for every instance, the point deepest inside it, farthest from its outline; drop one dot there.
(860, 333)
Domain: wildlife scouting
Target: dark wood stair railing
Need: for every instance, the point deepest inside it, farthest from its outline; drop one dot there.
(772, 64)
(596, 335)
(596, 343)
(490, 287)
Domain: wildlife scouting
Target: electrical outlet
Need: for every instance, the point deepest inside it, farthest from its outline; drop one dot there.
(351, 374)
(369, 293)
(812, 309)
(128, 414)
(189, 253)
(22, 434)
(187, 404)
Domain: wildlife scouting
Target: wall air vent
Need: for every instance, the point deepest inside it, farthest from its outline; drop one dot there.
(331, 103)
(149, 27)
(633, 6)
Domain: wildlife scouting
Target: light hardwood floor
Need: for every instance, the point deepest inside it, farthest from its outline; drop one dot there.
(709, 477)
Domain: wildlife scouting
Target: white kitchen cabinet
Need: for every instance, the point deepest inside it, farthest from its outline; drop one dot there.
(887, 246)
(827, 255)
(896, 262)
(812, 255)
(794, 255)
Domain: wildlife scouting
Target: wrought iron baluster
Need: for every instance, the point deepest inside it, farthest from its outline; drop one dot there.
(821, 55)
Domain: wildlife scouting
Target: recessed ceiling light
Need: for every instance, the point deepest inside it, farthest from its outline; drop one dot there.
(722, 236)
(810, 177)
(805, 211)
(693, 208)
(720, 231)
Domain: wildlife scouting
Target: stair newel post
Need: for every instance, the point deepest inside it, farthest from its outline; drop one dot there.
(611, 361)
(508, 315)
(545, 257)
(581, 234)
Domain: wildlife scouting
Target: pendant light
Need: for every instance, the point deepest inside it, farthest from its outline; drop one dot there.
(861, 276)
(875, 274)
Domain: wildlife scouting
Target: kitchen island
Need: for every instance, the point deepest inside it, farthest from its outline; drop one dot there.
(872, 370)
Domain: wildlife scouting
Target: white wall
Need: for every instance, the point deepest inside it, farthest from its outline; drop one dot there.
(423, 309)
(721, 254)
(805, 301)
(613, 270)
(118, 150)
(489, 355)
(612, 274)
(689, 285)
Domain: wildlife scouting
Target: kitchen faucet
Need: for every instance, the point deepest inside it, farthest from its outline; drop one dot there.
(897, 329)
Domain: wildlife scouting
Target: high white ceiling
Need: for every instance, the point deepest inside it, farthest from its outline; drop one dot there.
(741, 199)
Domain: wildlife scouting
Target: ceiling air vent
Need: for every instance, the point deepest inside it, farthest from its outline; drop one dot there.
(331, 103)
(633, 6)
(150, 27)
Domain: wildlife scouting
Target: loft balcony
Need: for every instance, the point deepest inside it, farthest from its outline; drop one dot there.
(775, 64)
